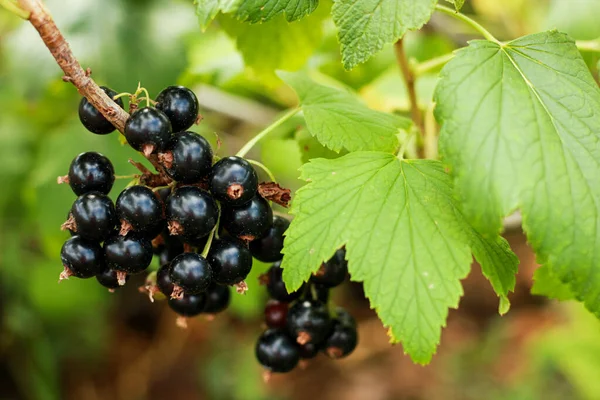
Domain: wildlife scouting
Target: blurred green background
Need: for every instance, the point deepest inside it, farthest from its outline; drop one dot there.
(77, 341)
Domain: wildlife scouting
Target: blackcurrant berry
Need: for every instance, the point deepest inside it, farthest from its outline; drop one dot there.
(92, 119)
(249, 221)
(94, 216)
(191, 272)
(189, 305)
(276, 286)
(131, 253)
(91, 172)
(344, 317)
(109, 279)
(180, 104)
(163, 280)
(217, 299)
(276, 314)
(268, 248)
(148, 130)
(276, 351)
(81, 258)
(309, 350)
(333, 272)
(309, 322)
(233, 181)
(187, 157)
(342, 339)
(230, 260)
(191, 212)
(141, 211)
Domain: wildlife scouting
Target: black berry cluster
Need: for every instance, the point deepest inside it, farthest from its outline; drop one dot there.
(300, 324)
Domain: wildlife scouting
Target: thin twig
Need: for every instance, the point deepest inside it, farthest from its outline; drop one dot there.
(409, 80)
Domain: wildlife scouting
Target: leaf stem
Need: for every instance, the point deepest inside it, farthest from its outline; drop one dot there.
(589, 45)
(431, 64)
(409, 81)
(244, 150)
(14, 8)
(474, 24)
(264, 168)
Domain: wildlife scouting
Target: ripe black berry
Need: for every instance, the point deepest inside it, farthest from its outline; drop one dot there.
(276, 314)
(81, 258)
(189, 305)
(268, 248)
(141, 211)
(180, 105)
(233, 181)
(191, 212)
(109, 279)
(217, 299)
(309, 350)
(276, 286)
(148, 130)
(131, 254)
(94, 216)
(91, 172)
(230, 260)
(333, 272)
(343, 338)
(249, 221)
(92, 119)
(276, 351)
(187, 157)
(309, 322)
(163, 280)
(191, 272)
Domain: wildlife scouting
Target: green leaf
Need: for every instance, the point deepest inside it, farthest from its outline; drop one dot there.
(263, 10)
(457, 3)
(275, 44)
(339, 120)
(365, 26)
(405, 239)
(207, 10)
(545, 283)
(521, 129)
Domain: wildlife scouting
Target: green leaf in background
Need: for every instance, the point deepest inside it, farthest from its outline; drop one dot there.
(457, 3)
(366, 26)
(546, 284)
(405, 239)
(275, 44)
(207, 10)
(339, 120)
(521, 129)
(263, 10)
(311, 148)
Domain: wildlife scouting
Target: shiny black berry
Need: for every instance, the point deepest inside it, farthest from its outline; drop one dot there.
(343, 337)
(131, 254)
(91, 172)
(249, 221)
(109, 279)
(191, 272)
(333, 272)
(148, 130)
(276, 286)
(187, 157)
(276, 314)
(277, 351)
(268, 248)
(163, 280)
(309, 350)
(233, 181)
(94, 216)
(180, 105)
(217, 299)
(92, 119)
(81, 257)
(309, 322)
(230, 260)
(189, 305)
(191, 213)
(141, 211)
